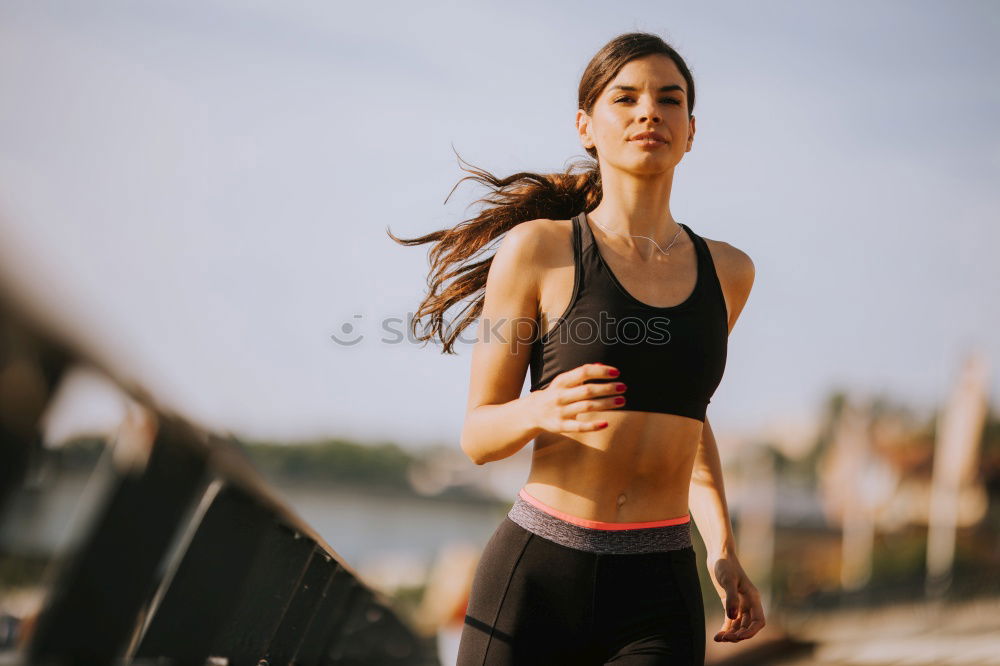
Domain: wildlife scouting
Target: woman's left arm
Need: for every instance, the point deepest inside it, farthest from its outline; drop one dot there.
(707, 500)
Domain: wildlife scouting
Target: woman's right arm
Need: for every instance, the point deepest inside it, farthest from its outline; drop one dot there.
(498, 423)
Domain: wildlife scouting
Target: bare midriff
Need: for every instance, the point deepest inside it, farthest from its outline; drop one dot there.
(637, 469)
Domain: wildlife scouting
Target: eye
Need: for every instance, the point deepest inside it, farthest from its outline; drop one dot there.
(668, 100)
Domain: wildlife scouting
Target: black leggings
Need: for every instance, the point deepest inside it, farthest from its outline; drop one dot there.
(536, 601)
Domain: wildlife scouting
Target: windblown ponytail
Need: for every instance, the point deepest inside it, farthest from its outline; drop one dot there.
(455, 276)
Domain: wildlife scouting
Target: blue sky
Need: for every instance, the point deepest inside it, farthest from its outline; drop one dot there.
(200, 189)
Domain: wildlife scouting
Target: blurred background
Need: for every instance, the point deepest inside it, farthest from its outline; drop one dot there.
(197, 194)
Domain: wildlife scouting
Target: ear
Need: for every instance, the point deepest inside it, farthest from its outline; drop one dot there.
(583, 128)
(691, 130)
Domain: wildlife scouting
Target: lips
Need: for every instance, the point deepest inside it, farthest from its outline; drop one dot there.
(646, 136)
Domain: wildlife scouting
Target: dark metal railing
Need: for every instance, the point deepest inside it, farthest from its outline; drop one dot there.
(188, 556)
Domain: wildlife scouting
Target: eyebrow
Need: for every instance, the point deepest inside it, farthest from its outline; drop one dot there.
(669, 88)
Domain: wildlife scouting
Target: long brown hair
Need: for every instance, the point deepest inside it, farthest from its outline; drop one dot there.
(523, 196)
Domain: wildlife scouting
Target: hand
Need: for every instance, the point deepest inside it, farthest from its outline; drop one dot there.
(740, 599)
(555, 407)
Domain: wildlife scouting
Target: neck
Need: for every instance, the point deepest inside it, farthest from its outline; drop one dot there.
(633, 205)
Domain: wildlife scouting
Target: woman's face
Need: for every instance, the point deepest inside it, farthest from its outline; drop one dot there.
(648, 94)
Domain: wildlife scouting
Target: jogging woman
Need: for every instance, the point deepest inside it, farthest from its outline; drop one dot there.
(621, 314)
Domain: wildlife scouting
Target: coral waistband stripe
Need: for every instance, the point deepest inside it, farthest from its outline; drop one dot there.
(600, 524)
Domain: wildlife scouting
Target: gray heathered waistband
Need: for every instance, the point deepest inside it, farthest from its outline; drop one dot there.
(636, 540)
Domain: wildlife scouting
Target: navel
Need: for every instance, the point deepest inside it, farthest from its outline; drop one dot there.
(621, 499)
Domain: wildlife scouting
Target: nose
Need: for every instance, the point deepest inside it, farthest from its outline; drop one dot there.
(648, 112)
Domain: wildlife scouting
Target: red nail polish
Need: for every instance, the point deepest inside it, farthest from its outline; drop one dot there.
(614, 373)
(619, 400)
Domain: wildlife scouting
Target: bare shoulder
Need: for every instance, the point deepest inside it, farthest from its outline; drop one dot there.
(524, 254)
(736, 273)
(542, 229)
(736, 264)
(540, 243)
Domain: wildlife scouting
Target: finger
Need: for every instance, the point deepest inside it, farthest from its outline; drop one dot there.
(735, 625)
(751, 629)
(595, 405)
(601, 404)
(741, 623)
(573, 425)
(723, 631)
(732, 604)
(727, 626)
(751, 618)
(589, 391)
(730, 608)
(725, 634)
(756, 620)
(731, 635)
(591, 371)
(610, 370)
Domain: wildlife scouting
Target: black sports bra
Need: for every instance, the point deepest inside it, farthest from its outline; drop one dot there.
(671, 359)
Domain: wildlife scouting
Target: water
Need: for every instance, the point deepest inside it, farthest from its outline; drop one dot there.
(395, 537)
